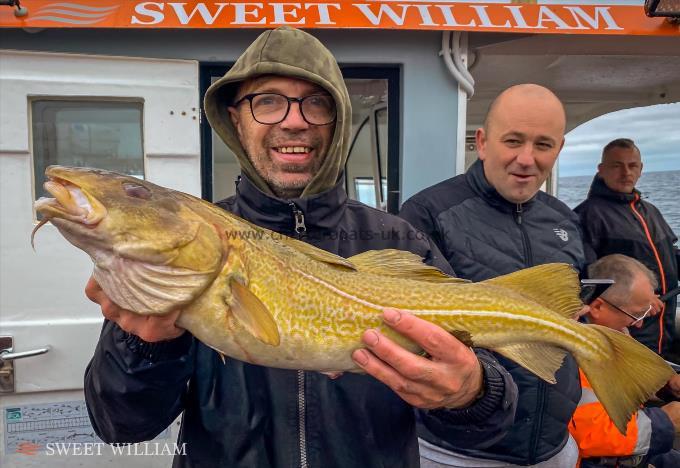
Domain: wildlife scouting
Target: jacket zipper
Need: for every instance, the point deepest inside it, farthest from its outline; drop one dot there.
(528, 255)
(662, 273)
(299, 218)
(538, 422)
(300, 230)
(518, 214)
(542, 386)
(302, 418)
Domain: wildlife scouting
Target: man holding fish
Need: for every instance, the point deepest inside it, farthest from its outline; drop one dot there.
(271, 287)
(285, 112)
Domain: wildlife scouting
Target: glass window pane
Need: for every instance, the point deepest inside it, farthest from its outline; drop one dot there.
(106, 135)
(358, 171)
(367, 161)
(225, 167)
(381, 122)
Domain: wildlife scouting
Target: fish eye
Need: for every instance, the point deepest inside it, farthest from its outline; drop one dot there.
(137, 191)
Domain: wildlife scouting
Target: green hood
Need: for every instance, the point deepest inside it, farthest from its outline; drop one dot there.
(288, 52)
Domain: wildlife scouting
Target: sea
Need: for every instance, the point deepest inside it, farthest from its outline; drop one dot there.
(660, 188)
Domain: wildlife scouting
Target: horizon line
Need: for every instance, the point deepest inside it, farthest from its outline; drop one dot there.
(593, 175)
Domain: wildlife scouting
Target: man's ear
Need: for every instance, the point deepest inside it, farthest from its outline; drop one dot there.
(596, 309)
(480, 141)
(599, 168)
(235, 118)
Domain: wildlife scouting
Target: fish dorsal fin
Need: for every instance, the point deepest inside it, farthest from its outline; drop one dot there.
(392, 262)
(317, 253)
(542, 360)
(555, 286)
(253, 314)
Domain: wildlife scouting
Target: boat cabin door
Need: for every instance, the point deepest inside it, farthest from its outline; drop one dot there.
(137, 116)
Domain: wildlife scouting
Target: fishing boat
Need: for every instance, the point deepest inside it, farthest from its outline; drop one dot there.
(119, 85)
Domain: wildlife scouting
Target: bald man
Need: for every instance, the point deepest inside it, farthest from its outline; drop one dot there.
(491, 221)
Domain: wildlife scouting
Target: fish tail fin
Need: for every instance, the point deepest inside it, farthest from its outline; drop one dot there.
(632, 375)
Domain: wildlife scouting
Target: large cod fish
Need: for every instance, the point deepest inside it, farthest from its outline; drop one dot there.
(267, 299)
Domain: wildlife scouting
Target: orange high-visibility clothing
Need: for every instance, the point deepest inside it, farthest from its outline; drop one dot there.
(596, 434)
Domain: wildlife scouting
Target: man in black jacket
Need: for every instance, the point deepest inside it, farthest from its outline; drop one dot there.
(491, 221)
(284, 110)
(615, 219)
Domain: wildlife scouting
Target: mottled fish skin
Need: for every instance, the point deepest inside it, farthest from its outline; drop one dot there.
(255, 295)
(321, 311)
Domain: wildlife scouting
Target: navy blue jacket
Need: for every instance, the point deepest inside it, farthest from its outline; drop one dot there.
(482, 235)
(614, 222)
(242, 415)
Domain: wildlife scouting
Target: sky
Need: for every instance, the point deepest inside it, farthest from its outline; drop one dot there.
(655, 130)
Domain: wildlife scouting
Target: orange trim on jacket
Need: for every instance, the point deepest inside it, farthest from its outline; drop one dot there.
(658, 261)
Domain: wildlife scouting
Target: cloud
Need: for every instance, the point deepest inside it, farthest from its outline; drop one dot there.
(655, 129)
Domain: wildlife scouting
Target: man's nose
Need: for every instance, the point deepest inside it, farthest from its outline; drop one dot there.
(294, 119)
(525, 156)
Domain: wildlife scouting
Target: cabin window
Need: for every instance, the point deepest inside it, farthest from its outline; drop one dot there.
(366, 168)
(102, 134)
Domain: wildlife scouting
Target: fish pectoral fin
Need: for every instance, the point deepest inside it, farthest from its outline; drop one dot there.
(317, 253)
(253, 314)
(555, 286)
(541, 359)
(392, 262)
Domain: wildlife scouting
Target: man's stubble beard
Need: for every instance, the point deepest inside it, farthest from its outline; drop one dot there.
(286, 189)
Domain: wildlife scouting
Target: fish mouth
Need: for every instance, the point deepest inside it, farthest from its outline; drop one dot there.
(70, 203)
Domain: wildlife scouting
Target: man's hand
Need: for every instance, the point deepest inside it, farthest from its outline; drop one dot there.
(674, 385)
(672, 409)
(451, 378)
(657, 305)
(584, 310)
(148, 327)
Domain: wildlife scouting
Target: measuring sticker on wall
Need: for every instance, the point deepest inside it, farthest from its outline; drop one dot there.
(33, 429)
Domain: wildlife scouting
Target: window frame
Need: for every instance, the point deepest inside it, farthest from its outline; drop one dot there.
(87, 99)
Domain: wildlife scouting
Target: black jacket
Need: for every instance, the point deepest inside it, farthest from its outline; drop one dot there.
(611, 224)
(243, 415)
(482, 236)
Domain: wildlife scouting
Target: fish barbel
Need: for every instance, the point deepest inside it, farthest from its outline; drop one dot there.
(261, 297)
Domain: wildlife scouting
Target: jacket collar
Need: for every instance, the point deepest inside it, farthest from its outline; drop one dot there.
(480, 185)
(321, 212)
(599, 189)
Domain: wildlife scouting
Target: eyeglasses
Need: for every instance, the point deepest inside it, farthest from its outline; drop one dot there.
(635, 319)
(273, 108)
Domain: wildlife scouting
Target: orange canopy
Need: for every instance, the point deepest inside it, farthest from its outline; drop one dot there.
(521, 16)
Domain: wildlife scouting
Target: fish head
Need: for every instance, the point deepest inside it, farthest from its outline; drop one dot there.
(134, 231)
